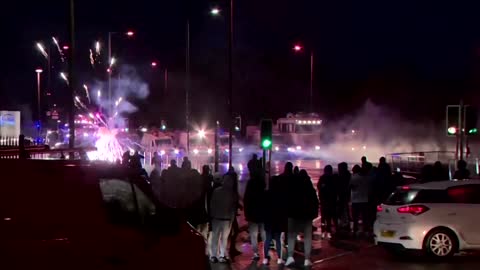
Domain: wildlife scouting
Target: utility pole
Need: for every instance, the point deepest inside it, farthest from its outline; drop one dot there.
(461, 125)
(230, 82)
(110, 104)
(311, 81)
(187, 85)
(71, 85)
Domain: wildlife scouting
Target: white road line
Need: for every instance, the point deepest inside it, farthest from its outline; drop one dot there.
(339, 255)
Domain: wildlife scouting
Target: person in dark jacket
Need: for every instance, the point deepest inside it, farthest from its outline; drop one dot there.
(254, 203)
(327, 193)
(462, 171)
(302, 210)
(343, 189)
(439, 172)
(383, 180)
(275, 218)
(200, 216)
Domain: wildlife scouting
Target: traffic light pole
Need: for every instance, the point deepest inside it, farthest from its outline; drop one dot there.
(461, 125)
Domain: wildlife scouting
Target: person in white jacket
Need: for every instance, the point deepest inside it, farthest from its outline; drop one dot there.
(223, 205)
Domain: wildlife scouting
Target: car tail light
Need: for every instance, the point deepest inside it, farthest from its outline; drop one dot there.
(379, 208)
(413, 209)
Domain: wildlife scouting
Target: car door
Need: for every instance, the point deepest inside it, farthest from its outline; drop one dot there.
(466, 199)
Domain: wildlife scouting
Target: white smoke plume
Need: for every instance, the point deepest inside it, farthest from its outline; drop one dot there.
(126, 85)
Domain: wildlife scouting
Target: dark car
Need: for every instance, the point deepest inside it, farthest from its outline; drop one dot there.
(77, 215)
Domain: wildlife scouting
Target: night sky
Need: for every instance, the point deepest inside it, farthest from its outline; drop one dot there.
(414, 57)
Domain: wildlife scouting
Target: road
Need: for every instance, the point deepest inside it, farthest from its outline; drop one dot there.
(348, 255)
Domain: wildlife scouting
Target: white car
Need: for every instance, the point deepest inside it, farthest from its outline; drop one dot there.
(440, 218)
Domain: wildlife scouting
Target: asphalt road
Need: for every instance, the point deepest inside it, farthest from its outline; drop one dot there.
(374, 258)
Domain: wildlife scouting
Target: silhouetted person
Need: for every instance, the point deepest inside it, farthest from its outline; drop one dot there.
(327, 193)
(383, 180)
(373, 198)
(126, 158)
(173, 164)
(439, 172)
(253, 205)
(223, 207)
(296, 170)
(199, 216)
(156, 160)
(276, 219)
(462, 171)
(253, 166)
(186, 164)
(343, 189)
(359, 186)
(301, 211)
(365, 162)
(235, 228)
(427, 173)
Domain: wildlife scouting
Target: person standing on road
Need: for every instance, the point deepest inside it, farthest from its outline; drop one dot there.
(235, 228)
(327, 192)
(383, 179)
(359, 193)
(365, 162)
(275, 217)
(343, 189)
(254, 203)
(186, 164)
(462, 171)
(223, 207)
(254, 166)
(200, 218)
(302, 209)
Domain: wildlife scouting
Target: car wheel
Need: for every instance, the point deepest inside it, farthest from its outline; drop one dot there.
(441, 243)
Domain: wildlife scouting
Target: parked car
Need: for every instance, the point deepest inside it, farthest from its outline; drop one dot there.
(440, 218)
(79, 215)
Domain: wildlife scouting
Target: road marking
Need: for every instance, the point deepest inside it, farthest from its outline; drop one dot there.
(339, 255)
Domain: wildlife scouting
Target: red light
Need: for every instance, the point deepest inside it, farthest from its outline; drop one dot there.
(413, 209)
(154, 64)
(130, 33)
(405, 188)
(379, 208)
(297, 48)
(65, 47)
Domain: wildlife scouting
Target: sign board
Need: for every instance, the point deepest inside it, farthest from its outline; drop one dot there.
(9, 124)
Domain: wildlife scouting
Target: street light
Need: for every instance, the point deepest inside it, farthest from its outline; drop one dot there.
(215, 11)
(38, 71)
(154, 64)
(299, 48)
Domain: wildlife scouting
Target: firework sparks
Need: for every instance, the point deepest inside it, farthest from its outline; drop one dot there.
(92, 59)
(64, 77)
(87, 93)
(97, 47)
(58, 48)
(108, 147)
(42, 50)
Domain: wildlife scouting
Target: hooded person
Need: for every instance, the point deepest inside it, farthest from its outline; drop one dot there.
(327, 192)
(302, 209)
(343, 189)
(254, 204)
(223, 208)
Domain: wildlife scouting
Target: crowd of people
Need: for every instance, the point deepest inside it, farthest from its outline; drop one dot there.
(285, 205)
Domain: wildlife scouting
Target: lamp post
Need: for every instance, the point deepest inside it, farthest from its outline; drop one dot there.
(229, 87)
(299, 48)
(39, 109)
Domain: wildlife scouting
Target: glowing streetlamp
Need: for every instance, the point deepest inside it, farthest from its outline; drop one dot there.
(298, 48)
(154, 64)
(130, 33)
(38, 71)
(215, 11)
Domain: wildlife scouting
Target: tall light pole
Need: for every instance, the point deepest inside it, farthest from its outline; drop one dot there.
(299, 48)
(229, 87)
(187, 85)
(109, 70)
(230, 82)
(39, 109)
(71, 85)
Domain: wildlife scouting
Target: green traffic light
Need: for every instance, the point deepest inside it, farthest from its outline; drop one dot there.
(473, 131)
(266, 143)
